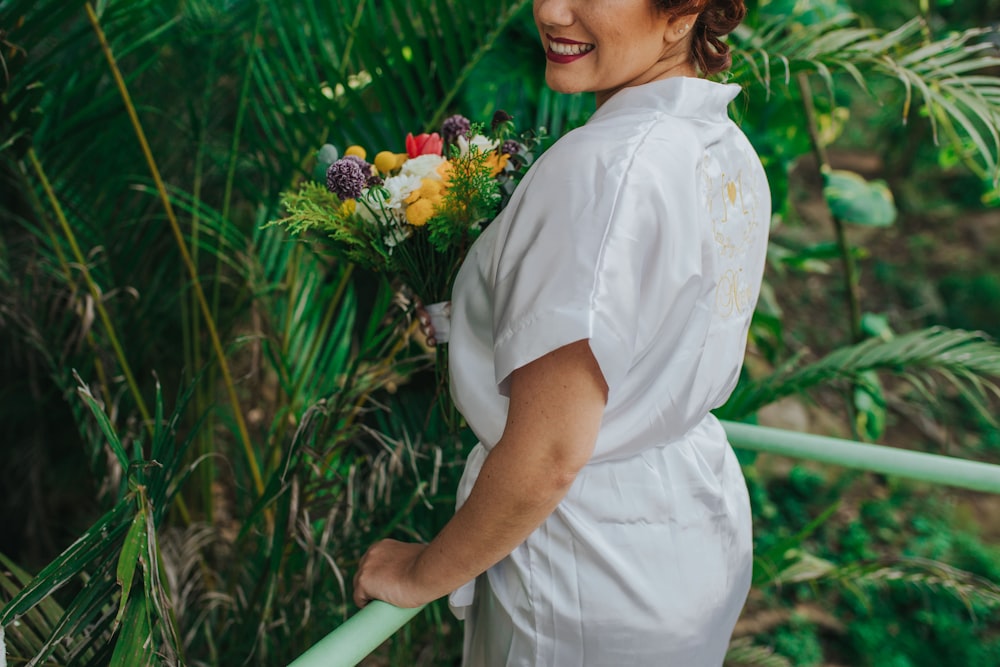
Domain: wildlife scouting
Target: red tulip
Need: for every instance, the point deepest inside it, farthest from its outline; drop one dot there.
(423, 144)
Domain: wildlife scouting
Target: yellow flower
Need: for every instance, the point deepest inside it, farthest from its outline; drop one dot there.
(348, 207)
(430, 188)
(444, 171)
(357, 151)
(386, 161)
(419, 212)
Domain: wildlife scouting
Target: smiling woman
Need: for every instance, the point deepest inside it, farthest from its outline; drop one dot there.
(603, 518)
(617, 44)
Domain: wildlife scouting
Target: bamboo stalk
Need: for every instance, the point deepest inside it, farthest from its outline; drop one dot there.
(185, 254)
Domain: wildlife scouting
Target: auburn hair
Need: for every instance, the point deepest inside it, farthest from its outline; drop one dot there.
(716, 19)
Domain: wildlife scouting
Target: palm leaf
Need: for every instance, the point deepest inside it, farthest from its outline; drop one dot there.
(399, 69)
(947, 76)
(112, 546)
(967, 361)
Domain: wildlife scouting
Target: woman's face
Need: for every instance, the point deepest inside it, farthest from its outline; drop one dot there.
(605, 45)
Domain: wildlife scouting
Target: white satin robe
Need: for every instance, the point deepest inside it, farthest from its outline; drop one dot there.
(644, 232)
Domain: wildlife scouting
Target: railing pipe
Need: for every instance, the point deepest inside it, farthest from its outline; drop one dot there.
(933, 468)
(349, 643)
(356, 637)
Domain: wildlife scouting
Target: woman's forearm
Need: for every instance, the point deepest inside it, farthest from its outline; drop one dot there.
(518, 487)
(555, 411)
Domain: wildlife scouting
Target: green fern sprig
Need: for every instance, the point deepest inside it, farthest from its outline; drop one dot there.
(312, 209)
(471, 200)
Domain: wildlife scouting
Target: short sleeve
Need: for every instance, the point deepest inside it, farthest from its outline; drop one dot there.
(578, 259)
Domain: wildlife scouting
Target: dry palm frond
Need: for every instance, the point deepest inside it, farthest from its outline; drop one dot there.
(918, 574)
(743, 652)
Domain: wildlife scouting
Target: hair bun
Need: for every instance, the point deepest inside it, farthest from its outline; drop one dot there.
(716, 19)
(719, 18)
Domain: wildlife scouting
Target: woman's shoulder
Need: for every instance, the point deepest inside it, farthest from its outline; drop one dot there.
(637, 147)
(631, 143)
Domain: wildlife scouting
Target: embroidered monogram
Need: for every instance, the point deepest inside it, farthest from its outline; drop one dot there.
(732, 205)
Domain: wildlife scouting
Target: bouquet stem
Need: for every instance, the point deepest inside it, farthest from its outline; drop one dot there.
(449, 413)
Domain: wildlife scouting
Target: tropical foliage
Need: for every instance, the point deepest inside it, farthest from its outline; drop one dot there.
(143, 148)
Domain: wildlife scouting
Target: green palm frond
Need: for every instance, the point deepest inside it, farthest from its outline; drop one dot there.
(118, 550)
(397, 68)
(967, 361)
(28, 637)
(947, 76)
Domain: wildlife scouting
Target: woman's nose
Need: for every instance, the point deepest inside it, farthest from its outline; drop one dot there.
(553, 12)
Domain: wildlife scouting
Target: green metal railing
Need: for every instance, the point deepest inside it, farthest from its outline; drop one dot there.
(349, 643)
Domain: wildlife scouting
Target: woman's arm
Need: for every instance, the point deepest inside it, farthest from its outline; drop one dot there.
(556, 405)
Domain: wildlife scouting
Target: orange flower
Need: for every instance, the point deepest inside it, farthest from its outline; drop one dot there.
(497, 162)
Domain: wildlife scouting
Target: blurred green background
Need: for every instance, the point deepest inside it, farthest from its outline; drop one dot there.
(205, 422)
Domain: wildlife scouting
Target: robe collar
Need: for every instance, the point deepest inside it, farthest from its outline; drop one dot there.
(681, 96)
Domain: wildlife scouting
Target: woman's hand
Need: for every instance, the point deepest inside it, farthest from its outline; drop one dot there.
(387, 572)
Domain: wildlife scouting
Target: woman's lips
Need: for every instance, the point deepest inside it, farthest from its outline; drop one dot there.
(564, 51)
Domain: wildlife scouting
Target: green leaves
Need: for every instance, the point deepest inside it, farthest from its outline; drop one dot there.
(134, 647)
(966, 361)
(109, 560)
(129, 559)
(396, 68)
(802, 11)
(947, 76)
(853, 199)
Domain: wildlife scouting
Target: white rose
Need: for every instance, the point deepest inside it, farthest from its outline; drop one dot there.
(483, 144)
(422, 166)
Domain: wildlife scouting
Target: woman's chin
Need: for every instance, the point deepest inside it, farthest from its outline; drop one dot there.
(561, 85)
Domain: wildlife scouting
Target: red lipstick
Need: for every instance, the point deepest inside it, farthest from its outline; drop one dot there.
(562, 58)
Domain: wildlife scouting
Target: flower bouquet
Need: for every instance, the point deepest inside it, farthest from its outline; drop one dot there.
(413, 215)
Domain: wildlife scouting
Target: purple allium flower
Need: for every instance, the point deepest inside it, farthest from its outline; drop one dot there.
(454, 127)
(347, 177)
(510, 147)
(374, 180)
